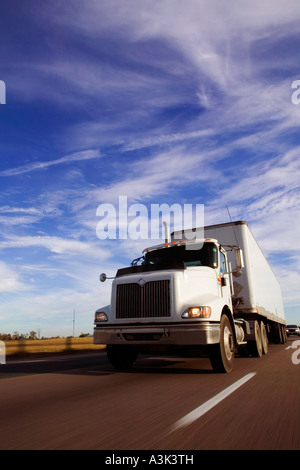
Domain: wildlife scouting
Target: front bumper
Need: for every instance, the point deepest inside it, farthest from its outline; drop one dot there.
(177, 335)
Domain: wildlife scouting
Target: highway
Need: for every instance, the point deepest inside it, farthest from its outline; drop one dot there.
(81, 403)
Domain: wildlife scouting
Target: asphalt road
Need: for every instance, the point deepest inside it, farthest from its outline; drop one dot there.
(163, 403)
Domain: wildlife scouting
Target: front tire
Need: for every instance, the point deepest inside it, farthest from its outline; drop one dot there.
(121, 356)
(222, 354)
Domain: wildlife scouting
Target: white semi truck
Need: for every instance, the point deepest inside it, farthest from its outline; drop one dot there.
(215, 296)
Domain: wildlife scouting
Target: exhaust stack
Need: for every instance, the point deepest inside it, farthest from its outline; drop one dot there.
(167, 233)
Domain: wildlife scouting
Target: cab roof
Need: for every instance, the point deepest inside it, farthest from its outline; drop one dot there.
(170, 244)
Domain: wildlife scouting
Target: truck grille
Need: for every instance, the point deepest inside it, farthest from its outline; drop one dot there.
(150, 300)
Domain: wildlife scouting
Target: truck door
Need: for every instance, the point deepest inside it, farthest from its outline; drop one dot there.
(225, 277)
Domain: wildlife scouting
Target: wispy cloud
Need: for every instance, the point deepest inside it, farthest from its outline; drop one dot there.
(74, 157)
(156, 140)
(10, 281)
(55, 244)
(152, 179)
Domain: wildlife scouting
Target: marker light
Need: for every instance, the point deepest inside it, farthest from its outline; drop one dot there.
(197, 312)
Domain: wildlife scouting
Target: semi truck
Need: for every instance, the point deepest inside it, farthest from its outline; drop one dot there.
(202, 292)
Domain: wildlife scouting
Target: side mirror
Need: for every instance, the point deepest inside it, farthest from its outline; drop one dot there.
(102, 277)
(239, 259)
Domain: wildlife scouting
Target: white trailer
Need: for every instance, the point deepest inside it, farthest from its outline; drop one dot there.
(215, 295)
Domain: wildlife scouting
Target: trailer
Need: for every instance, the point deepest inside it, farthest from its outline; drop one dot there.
(206, 292)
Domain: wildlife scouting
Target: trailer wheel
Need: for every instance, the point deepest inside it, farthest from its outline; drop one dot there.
(222, 354)
(264, 338)
(121, 356)
(255, 346)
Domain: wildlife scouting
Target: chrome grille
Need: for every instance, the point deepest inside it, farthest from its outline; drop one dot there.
(150, 300)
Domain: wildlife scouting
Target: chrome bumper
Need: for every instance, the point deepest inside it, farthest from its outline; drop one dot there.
(200, 334)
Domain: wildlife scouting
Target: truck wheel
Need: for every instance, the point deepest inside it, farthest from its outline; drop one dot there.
(276, 333)
(284, 336)
(121, 356)
(222, 354)
(255, 346)
(264, 338)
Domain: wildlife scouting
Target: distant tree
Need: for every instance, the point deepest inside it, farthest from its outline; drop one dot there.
(5, 336)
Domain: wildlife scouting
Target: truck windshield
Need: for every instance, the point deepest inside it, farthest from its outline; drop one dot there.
(206, 255)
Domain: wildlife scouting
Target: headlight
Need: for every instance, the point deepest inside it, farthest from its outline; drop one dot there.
(100, 317)
(197, 312)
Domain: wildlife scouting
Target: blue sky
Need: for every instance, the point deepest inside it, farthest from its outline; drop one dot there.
(160, 101)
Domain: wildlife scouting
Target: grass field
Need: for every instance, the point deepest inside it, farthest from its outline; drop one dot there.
(54, 346)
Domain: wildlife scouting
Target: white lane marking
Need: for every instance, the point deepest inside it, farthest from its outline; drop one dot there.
(208, 405)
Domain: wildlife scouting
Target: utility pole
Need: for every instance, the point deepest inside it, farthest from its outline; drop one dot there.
(73, 322)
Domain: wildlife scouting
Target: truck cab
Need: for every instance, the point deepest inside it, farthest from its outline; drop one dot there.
(177, 296)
